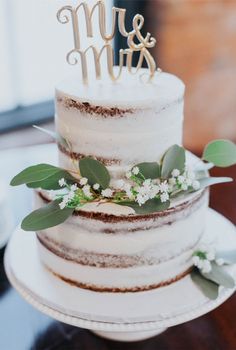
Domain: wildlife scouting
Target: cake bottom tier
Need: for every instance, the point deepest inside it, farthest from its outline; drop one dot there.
(106, 279)
(125, 253)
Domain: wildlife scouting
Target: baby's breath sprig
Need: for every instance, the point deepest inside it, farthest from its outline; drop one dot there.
(210, 270)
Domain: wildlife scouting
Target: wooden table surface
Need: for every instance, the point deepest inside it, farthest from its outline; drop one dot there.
(23, 328)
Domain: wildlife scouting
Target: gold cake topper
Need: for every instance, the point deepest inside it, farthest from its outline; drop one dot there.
(71, 14)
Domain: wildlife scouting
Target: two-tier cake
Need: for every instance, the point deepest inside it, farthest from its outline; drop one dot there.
(125, 209)
(105, 246)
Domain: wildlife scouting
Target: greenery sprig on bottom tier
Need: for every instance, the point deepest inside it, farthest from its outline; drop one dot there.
(146, 187)
(211, 270)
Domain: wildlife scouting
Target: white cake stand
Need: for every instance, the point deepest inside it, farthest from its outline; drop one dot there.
(117, 316)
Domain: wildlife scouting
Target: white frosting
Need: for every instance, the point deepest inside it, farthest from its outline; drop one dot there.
(144, 134)
(128, 92)
(163, 251)
(122, 278)
(161, 242)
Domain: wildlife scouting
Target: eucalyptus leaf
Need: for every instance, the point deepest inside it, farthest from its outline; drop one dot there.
(209, 181)
(203, 166)
(58, 138)
(95, 172)
(151, 206)
(34, 173)
(46, 131)
(149, 170)
(210, 289)
(220, 276)
(52, 182)
(48, 216)
(221, 153)
(229, 256)
(173, 159)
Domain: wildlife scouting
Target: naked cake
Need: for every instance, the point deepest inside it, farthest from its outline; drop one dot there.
(125, 209)
(105, 246)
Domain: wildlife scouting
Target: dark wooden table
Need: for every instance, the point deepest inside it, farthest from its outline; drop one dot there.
(23, 328)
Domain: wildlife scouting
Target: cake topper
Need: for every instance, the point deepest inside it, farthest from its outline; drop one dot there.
(135, 40)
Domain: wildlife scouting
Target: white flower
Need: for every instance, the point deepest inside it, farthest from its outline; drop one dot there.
(62, 182)
(206, 268)
(220, 261)
(62, 205)
(74, 187)
(164, 187)
(184, 187)
(71, 195)
(96, 187)
(154, 191)
(175, 173)
(141, 199)
(200, 264)
(164, 197)
(142, 190)
(135, 170)
(83, 181)
(196, 185)
(196, 260)
(107, 193)
(128, 174)
(181, 179)
(188, 182)
(86, 191)
(118, 184)
(210, 255)
(127, 189)
(67, 198)
(147, 183)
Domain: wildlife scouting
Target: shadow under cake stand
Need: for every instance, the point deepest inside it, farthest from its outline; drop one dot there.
(117, 316)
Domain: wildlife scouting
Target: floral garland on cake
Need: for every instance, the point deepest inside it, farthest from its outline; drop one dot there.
(146, 187)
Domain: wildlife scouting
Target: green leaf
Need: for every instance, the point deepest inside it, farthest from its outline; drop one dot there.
(209, 181)
(222, 153)
(34, 173)
(220, 276)
(229, 256)
(95, 172)
(149, 170)
(58, 138)
(173, 159)
(51, 133)
(151, 206)
(48, 216)
(52, 182)
(210, 289)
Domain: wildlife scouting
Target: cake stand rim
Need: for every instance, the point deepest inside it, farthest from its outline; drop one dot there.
(107, 326)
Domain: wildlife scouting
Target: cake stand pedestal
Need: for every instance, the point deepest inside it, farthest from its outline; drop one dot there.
(117, 316)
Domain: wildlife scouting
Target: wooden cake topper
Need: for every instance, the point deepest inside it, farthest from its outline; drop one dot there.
(135, 40)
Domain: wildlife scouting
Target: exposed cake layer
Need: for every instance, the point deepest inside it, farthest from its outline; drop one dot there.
(99, 244)
(122, 123)
(130, 279)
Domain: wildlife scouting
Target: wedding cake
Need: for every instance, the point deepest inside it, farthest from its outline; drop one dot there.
(105, 246)
(125, 209)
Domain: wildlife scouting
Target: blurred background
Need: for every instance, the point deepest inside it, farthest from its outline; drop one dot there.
(196, 40)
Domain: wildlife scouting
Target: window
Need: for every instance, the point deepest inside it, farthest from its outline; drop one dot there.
(33, 47)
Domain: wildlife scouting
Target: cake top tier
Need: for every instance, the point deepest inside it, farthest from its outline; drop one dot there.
(129, 92)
